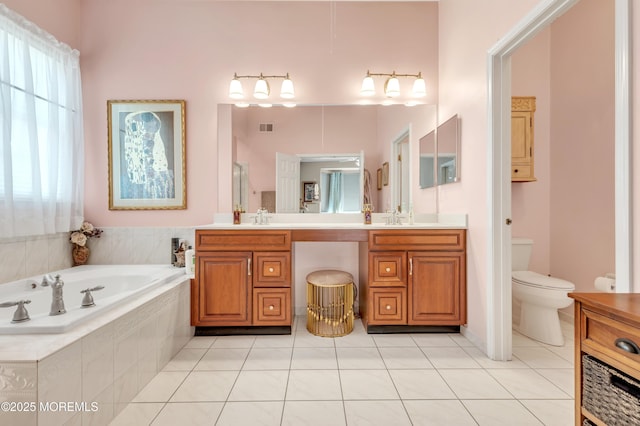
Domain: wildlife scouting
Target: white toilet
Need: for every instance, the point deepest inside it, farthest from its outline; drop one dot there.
(540, 296)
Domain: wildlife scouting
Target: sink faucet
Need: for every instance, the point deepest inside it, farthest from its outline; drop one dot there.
(261, 217)
(57, 303)
(47, 280)
(394, 218)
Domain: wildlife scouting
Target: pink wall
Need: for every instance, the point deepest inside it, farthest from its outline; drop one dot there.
(582, 144)
(530, 210)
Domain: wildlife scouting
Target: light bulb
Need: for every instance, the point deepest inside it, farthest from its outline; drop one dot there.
(242, 104)
(289, 104)
(235, 89)
(286, 91)
(261, 91)
(392, 87)
(265, 105)
(419, 87)
(368, 88)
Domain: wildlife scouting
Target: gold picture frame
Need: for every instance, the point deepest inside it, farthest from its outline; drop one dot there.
(147, 154)
(385, 173)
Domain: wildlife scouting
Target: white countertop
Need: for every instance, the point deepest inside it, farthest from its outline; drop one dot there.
(338, 221)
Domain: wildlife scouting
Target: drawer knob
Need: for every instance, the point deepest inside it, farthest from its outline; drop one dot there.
(388, 269)
(627, 345)
(388, 307)
(271, 307)
(270, 269)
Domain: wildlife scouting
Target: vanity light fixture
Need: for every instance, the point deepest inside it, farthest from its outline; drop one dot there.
(262, 89)
(392, 85)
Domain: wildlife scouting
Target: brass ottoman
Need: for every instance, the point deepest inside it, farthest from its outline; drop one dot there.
(330, 300)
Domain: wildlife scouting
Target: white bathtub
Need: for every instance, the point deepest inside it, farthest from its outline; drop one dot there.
(122, 283)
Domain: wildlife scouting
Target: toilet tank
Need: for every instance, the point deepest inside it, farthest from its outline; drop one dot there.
(520, 253)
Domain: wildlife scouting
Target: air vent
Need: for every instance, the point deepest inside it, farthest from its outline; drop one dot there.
(266, 127)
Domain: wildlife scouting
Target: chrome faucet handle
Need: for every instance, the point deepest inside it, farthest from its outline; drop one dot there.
(47, 280)
(87, 300)
(21, 314)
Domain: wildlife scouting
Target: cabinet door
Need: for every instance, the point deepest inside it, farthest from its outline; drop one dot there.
(437, 288)
(272, 269)
(387, 306)
(522, 111)
(225, 289)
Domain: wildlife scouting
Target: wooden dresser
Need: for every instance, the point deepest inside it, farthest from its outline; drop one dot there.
(607, 328)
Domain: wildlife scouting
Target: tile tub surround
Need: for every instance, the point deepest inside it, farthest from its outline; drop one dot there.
(106, 361)
(23, 257)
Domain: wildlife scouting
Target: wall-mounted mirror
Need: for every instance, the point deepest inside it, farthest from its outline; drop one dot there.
(256, 135)
(428, 160)
(448, 152)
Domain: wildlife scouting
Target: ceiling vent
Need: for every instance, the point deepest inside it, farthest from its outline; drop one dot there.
(266, 127)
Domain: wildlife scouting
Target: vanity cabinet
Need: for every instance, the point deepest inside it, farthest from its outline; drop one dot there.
(522, 111)
(243, 278)
(414, 277)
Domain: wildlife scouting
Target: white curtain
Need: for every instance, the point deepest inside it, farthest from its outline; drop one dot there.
(41, 135)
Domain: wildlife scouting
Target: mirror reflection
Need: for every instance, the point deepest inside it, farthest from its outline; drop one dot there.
(448, 149)
(306, 132)
(427, 160)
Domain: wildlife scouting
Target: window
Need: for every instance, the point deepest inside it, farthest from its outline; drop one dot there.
(41, 138)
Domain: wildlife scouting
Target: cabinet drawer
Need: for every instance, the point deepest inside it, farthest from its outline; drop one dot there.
(272, 306)
(227, 240)
(388, 269)
(272, 269)
(387, 306)
(600, 333)
(431, 240)
(521, 172)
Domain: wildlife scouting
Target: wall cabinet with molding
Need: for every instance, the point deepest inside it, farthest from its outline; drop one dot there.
(522, 154)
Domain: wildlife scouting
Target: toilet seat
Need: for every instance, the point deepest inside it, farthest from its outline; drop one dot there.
(533, 279)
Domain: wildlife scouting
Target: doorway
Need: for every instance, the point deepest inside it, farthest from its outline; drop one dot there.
(499, 332)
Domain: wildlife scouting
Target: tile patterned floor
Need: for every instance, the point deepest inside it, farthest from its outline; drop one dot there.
(359, 379)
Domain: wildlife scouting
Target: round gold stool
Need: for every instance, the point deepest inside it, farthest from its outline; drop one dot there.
(330, 298)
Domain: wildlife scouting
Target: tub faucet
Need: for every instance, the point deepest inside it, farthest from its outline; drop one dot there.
(57, 304)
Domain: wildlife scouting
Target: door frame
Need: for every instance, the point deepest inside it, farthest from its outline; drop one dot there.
(498, 279)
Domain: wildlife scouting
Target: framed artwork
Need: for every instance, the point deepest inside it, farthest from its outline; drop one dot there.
(385, 173)
(308, 191)
(147, 161)
(379, 179)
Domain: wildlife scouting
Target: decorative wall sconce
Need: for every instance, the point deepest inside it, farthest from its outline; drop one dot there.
(392, 85)
(261, 90)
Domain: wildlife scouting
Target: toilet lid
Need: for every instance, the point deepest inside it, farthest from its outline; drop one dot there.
(538, 280)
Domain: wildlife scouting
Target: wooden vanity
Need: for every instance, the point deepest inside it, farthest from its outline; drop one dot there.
(408, 278)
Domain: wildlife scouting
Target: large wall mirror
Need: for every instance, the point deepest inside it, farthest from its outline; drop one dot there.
(335, 146)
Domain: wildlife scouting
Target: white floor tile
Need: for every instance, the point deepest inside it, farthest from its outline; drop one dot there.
(427, 339)
(367, 384)
(234, 342)
(359, 358)
(268, 359)
(203, 342)
(205, 386)
(260, 386)
(314, 359)
(449, 358)
(376, 413)
(552, 412)
(402, 358)
(313, 413)
(185, 360)
(355, 340)
(309, 385)
(222, 359)
(482, 359)
(161, 387)
(527, 384)
(564, 378)
(278, 341)
(420, 384)
(501, 413)
(474, 384)
(136, 414)
(251, 413)
(540, 357)
(197, 413)
(394, 340)
(304, 339)
(438, 413)
(522, 340)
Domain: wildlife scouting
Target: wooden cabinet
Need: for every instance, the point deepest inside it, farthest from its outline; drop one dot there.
(522, 122)
(414, 277)
(607, 328)
(243, 278)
